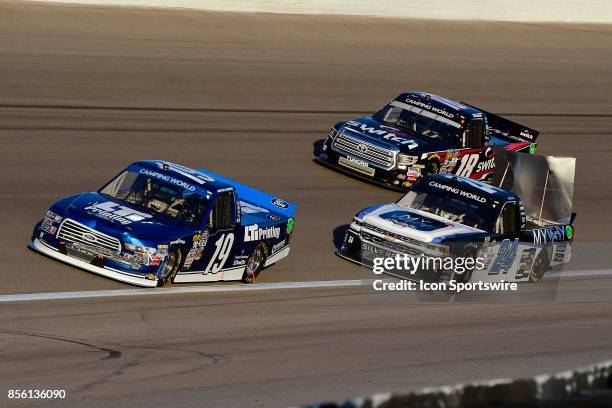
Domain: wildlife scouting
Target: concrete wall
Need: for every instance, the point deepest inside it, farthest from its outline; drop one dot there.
(589, 387)
(596, 11)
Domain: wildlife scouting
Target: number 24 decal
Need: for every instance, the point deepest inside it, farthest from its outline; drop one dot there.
(223, 247)
(505, 257)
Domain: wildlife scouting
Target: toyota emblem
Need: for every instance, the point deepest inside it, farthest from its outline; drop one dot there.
(362, 147)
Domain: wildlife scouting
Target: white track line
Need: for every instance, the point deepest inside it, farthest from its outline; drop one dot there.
(185, 289)
(235, 288)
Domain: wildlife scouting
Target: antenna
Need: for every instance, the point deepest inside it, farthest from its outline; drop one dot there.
(504, 176)
(543, 196)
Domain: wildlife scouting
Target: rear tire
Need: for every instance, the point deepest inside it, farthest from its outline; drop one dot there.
(540, 265)
(254, 264)
(170, 267)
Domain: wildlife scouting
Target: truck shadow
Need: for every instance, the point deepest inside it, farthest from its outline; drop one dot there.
(317, 146)
(339, 233)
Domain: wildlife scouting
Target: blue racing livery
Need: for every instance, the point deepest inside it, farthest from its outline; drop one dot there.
(417, 134)
(158, 222)
(446, 215)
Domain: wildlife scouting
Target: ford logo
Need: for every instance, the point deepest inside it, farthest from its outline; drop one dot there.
(277, 202)
(362, 147)
(89, 237)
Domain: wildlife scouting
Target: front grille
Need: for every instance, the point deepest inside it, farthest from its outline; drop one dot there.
(396, 236)
(393, 246)
(78, 233)
(369, 152)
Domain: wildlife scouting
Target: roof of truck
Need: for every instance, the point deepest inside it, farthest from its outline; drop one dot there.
(475, 187)
(443, 106)
(185, 174)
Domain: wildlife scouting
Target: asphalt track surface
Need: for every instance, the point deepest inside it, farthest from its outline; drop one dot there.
(86, 90)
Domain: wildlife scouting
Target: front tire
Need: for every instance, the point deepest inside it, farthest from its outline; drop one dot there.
(254, 264)
(170, 267)
(432, 167)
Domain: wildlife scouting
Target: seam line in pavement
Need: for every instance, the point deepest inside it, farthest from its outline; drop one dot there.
(271, 110)
(236, 288)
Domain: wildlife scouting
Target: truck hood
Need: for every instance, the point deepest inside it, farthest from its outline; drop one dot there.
(417, 225)
(119, 219)
(407, 142)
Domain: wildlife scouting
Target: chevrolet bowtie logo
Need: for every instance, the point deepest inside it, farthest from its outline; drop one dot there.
(389, 238)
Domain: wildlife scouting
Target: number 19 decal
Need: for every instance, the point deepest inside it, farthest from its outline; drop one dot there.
(223, 247)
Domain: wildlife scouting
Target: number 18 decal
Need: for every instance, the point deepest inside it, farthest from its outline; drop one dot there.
(223, 247)
(468, 162)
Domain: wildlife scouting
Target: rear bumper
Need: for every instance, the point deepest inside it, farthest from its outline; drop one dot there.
(51, 252)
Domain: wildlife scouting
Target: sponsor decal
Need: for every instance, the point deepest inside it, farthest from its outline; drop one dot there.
(549, 234)
(239, 262)
(277, 202)
(458, 191)
(385, 134)
(155, 260)
(177, 242)
(413, 174)
(254, 233)
(560, 251)
(115, 212)
(168, 179)
(429, 107)
(273, 217)
(532, 148)
(486, 165)
(408, 220)
(48, 221)
(290, 224)
(569, 231)
(357, 161)
(248, 208)
(200, 239)
(278, 246)
(48, 227)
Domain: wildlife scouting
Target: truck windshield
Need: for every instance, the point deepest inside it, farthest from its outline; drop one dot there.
(422, 123)
(157, 196)
(452, 204)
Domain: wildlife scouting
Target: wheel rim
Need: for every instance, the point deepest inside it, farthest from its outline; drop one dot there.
(169, 265)
(254, 263)
(537, 270)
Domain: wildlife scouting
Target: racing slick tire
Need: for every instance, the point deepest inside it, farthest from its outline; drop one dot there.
(540, 265)
(170, 267)
(432, 167)
(254, 264)
(470, 252)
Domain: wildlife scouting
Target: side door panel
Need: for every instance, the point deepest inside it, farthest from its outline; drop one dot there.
(213, 250)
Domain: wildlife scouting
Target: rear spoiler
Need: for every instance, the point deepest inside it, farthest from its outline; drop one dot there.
(544, 183)
(506, 129)
(256, 197)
